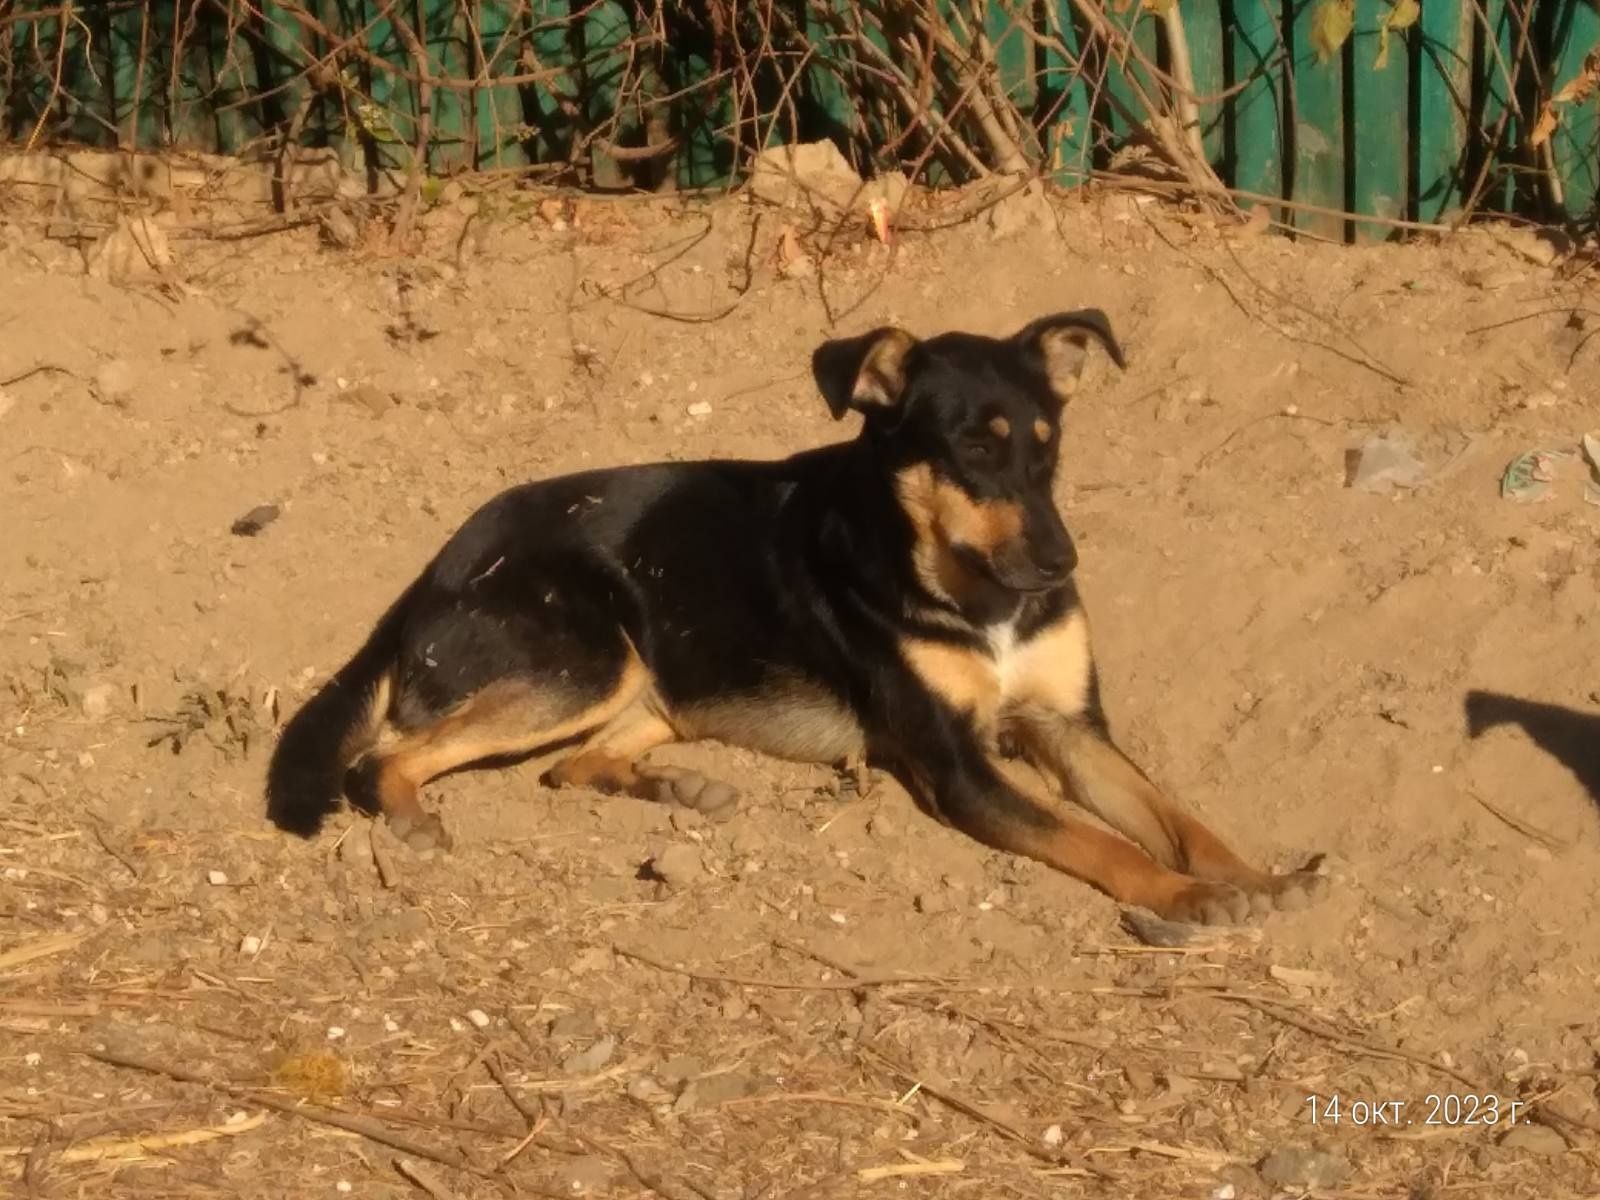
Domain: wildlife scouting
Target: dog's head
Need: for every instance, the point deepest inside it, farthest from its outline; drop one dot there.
(969, 429)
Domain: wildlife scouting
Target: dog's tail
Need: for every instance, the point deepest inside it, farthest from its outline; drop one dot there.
(305, 778)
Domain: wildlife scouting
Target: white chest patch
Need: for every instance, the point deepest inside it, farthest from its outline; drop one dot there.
(1002, 639)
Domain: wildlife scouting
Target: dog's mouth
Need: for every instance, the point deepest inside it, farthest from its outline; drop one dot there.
(1014, 572)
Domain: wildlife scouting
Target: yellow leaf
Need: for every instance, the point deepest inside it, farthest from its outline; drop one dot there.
(1582, 85)
(1330, 27)
(1403, 15)
(1159, 7)
(1545, 126)
(1382, 60)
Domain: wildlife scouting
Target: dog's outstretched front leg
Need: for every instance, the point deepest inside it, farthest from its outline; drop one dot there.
(981, 796)
(1094, 772)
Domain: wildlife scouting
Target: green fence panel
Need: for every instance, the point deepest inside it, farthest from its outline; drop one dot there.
(1378, 104)
(1126, 75)
(1575, 144)
(707, 156)
(605, 30)
(497, 107)
(442, 28)
(127, 33)
(1064, 103)
(1256, 118)
(520, 83)
(1007, 23)
(827, 110)
(1317, 102)
(1494, 96)
(1444, 104)
(1203, 29)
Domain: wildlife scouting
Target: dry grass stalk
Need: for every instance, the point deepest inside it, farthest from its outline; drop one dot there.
(905, 1170)
(39, 947)
(362, 1126)
(144, 1145)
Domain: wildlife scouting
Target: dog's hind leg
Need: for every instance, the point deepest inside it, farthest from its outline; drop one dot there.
(608, 761)
(519, 660)
(508, 718)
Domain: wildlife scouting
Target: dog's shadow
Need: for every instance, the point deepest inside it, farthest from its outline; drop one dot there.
(1567, 735)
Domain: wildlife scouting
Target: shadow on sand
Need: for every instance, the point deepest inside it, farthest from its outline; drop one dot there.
(1571, 737)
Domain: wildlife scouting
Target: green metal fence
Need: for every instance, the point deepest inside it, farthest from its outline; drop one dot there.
(1383, 109)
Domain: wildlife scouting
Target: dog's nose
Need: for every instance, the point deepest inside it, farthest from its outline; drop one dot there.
(1056, 562)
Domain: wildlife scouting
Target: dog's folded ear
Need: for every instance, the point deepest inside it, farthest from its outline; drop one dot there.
(865, 373)
(1063, 341)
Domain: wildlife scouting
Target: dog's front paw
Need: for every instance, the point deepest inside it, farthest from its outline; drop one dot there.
(1200, 902)
(1292, 891)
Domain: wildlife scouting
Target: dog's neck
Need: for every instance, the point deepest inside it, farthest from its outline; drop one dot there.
(868, 540)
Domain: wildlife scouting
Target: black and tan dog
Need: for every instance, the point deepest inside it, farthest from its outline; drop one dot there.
(906, 595)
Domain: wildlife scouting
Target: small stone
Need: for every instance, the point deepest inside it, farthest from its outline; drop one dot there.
(7, 402)
(335, 1032)
(1493, 280)
(217, 878)
(355, 852)
(96, 702)
(250, 945)
(572, 1026)
(881, 826)
(403, 925)
(587, 1062)
(337, 228)
(114, 380)
(810, 174)
(478, 1017)
(1226, 1192)
(584, 1175)
(1020, 212)
(1538, 1140)
(342, 1187)
(700, 408)
(254, 521)
(708, 1091)
(1053, 1136)
(679, 1070)
(646, 1089)
(1302, 1167)
(367, 396)
(1381, 464)
(1536, 246)
(678, 865)
(135, 248)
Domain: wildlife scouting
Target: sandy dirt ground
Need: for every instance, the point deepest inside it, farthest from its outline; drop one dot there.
(829, 994)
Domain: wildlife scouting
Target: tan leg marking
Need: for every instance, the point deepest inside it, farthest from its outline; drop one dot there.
(1103, 860)
(606, 761)
(505, 719)
(1099, 776)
